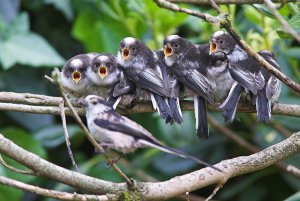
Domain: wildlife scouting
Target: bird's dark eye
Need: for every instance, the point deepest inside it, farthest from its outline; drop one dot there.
(122, 45)
(97, 65)
(133, 48)
(70, 70)
(221, 41)
(94, 102)
(108, 65)
(176, 45)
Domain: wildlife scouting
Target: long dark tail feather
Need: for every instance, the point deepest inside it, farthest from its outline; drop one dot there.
(164, 109)
(176, 110)
(202, 127)
(263, 107)
(178, 153)
(228, 108)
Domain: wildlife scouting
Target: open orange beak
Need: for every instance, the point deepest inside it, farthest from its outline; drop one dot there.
(125, 53)
(102, 71)
(76, 76)
(212, 47)
(168, 51)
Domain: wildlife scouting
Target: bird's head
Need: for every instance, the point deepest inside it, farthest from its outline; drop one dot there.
(75, 68)
(95, 103)
(129, 48)
(221, 41)
(104, 65)
(174, 46)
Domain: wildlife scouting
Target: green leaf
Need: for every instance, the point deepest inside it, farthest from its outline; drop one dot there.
(264, 10)
(294, 23)
(64, 6)
(27, 142)
(295, 197)
(252, 14)
(53, 135)
(292, 52)
(28, 49)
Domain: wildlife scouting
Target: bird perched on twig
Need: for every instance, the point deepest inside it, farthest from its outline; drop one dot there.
(141, 66)
(120, 133)
(249, 76)
(189, 63)
(74, 76)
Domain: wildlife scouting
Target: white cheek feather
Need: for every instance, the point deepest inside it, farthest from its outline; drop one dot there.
(76, 62)
(70, 84)
(122, 62)
(238, 54)
(169, 61)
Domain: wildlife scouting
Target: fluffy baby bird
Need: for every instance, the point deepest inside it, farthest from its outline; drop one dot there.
(141, 66)
(74, 76)
(103, 75)
(249, 76)
(189, 63)
(120, 133)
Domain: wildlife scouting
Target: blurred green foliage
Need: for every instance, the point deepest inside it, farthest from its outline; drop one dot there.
(36, 35)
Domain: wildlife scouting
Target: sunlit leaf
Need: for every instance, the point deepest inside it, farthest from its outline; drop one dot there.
(28, 49)
(295, 197)
(294, 23)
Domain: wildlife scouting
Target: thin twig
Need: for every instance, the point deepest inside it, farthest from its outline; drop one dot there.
(175, 8)
(226, 2)
(215, 6)
(41, 104)
(214, 192)
(52, 193)
(285, 26)
(86, 131)
(67, 136)
(27, 172)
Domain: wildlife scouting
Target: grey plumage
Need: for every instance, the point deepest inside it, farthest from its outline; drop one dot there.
(140, 65)
(74, 76)
(120, 133)
(189, 63)
(103, 75)
(263, 87)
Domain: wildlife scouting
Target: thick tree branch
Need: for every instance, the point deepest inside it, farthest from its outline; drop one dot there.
(207, 2)
(54, 194)
(57, 173)
(233, 167)
(158, 190)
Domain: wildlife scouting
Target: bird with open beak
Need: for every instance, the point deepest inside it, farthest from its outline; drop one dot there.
(141, 66)
(249, 77)
(117, 132)
(189, 63)
(103, 75)
(74, 76)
